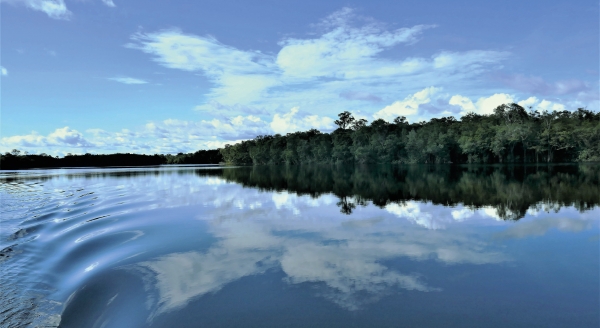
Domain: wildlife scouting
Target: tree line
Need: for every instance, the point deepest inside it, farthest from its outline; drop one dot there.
(17, 160)
(509, 135)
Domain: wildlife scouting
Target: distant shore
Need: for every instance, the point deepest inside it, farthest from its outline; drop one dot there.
(510, 135)
(15, 160)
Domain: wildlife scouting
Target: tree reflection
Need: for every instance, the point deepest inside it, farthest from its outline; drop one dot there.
(511, 190)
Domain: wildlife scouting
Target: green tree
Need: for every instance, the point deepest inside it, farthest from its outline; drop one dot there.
(345, 120)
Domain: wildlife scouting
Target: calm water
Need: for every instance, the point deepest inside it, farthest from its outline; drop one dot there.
(326, 246)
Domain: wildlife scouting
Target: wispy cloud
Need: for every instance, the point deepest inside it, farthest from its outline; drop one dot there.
(4, 71)
(109, 3)
(539, 86)
(541, 226)
(358, 95)
(127, 80)
(326, 73)
(56, 9)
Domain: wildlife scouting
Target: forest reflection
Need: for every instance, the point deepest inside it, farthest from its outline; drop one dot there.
(511, 190)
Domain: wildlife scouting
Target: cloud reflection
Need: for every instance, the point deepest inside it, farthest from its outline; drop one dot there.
(540, 227)
(312, 243)
(350, 260)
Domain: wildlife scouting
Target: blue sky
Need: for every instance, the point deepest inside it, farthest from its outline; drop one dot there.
(103, 76)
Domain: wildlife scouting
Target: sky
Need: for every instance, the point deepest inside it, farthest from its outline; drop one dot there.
(105, 76)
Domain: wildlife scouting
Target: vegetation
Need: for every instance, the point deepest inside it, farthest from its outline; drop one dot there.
(16, 160)
(509, 135)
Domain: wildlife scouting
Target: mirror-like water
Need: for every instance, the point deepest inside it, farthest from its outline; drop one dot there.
(323, 246)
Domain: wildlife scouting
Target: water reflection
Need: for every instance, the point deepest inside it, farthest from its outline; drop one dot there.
(185, 235)
(510, 190)
(347, 256)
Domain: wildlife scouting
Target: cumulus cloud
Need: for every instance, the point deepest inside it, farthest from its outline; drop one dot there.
(53, 8)
(68, 136)
(290, 122)
(546, 105)
(169, 136)
(63, 137)
(486, 105)
(128, 80)
(4, 71)
(407, 107)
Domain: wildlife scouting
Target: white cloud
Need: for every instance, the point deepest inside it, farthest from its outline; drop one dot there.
(407, 107)
(486, 105)
(168, 136)
(128, 80)
(65, 138)
(463, 102)
(56, 9)
(325, 73)
(239, 76)
(483, 106)
(528, 102)
(341, 51)
(53, 8)
(175, 49)
(548, 105)
(4, 71)
(289, 122)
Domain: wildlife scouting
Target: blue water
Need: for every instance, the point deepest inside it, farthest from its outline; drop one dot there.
(193, 247)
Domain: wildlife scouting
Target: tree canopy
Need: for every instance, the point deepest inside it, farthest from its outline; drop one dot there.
(510, 135)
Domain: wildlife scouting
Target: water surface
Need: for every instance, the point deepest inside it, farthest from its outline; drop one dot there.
(318, 246)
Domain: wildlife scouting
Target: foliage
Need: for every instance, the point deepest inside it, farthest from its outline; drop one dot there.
(509, 135)
(16, 160)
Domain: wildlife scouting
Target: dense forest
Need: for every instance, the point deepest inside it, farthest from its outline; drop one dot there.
(509, 135)
(17, 160)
